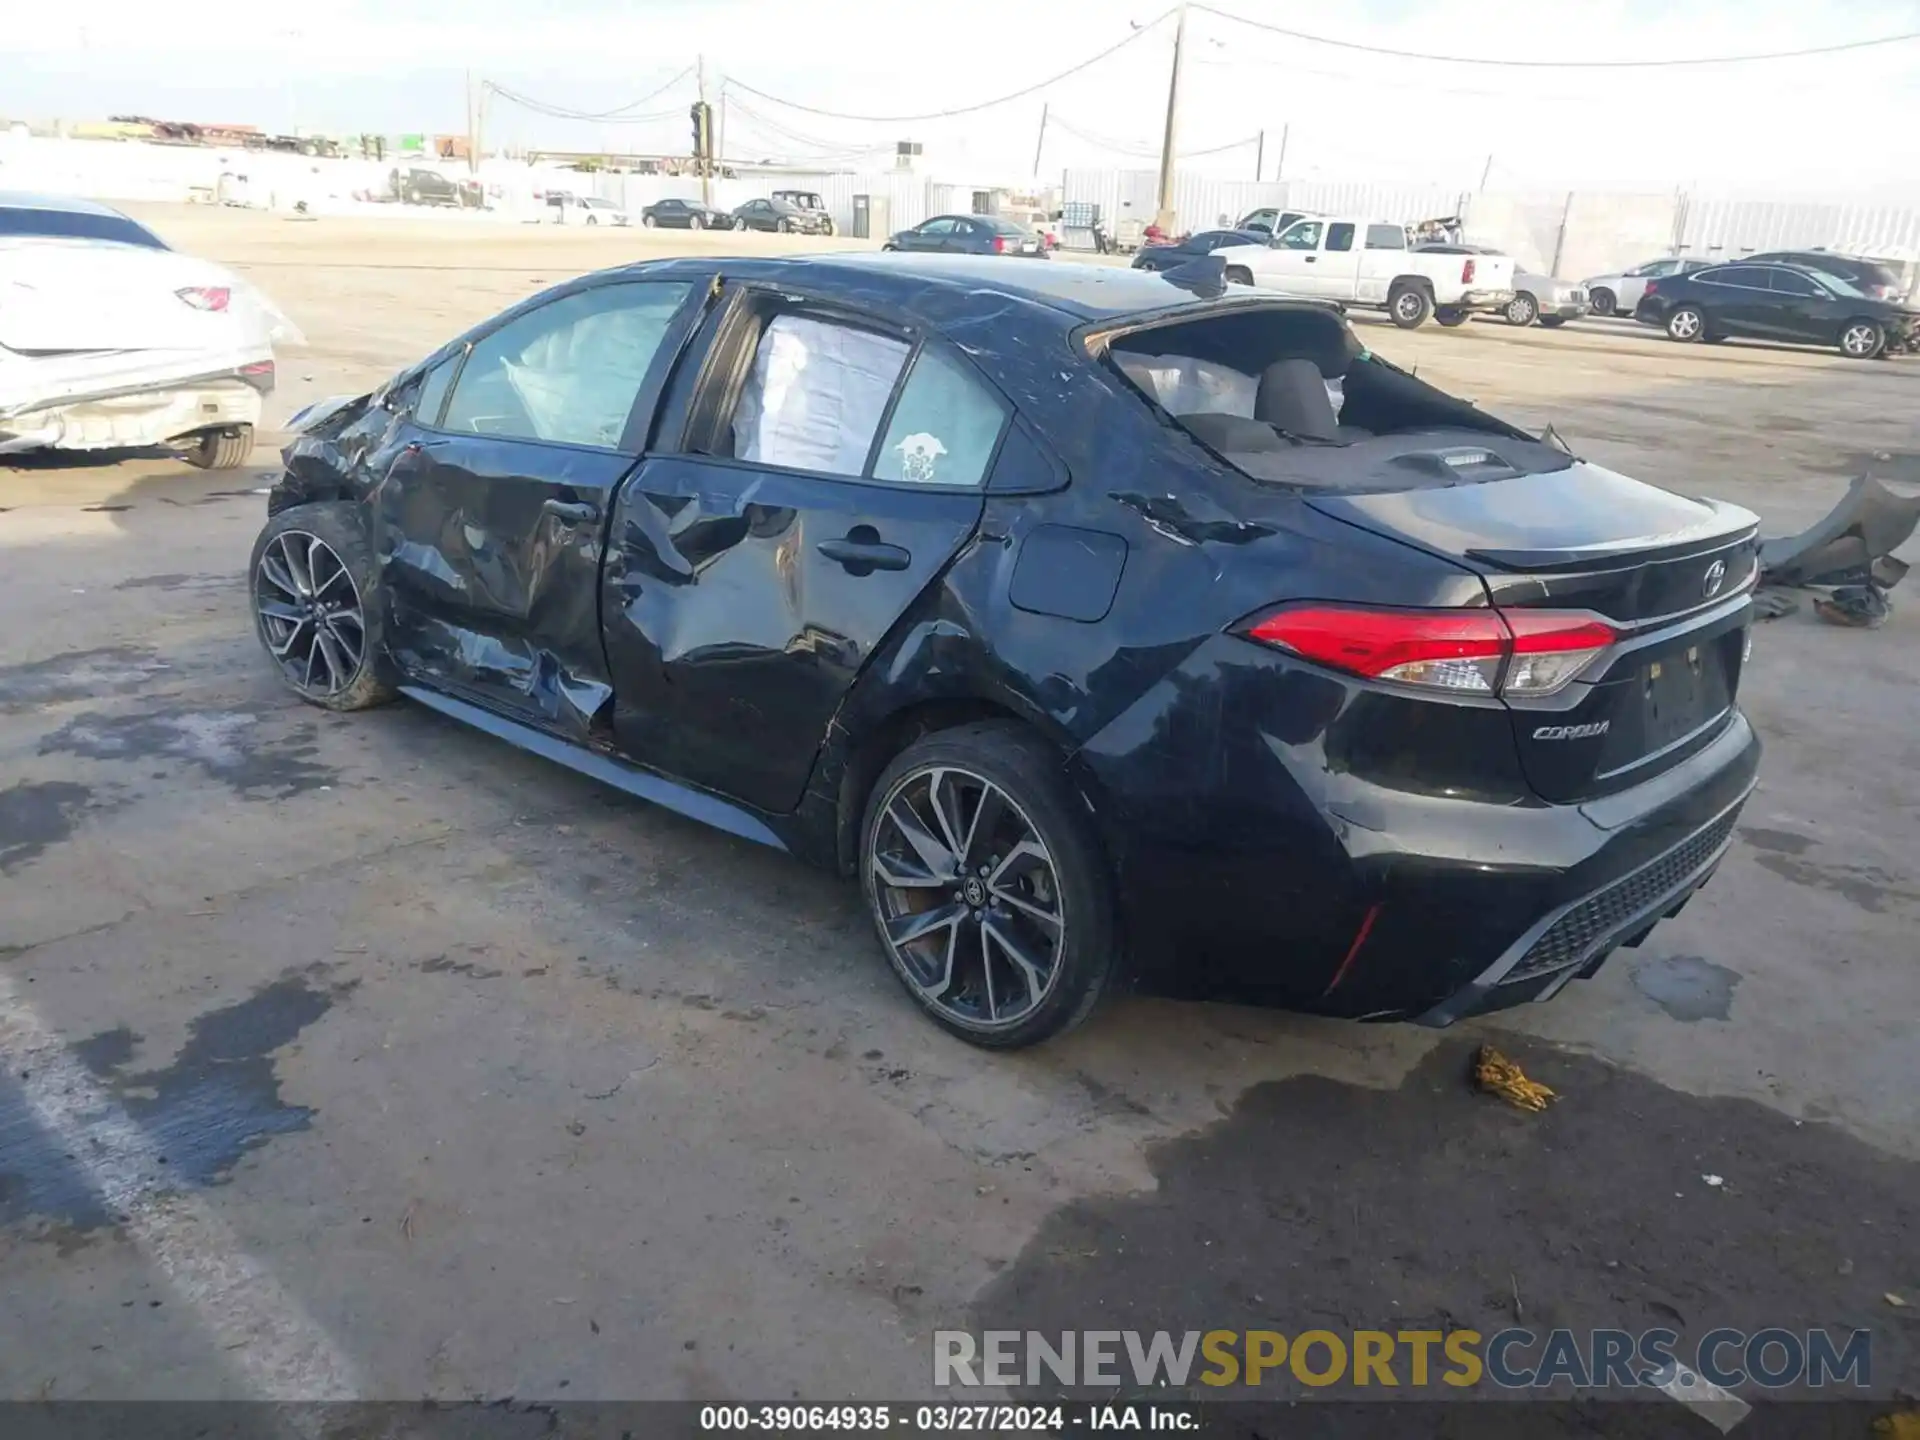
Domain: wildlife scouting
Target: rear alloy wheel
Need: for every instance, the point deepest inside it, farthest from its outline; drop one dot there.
(1522, 309)
(989, 894)
(220, 449)
(1862, 340)
(1410, 307)
(1686, 325)
(1452, 317)
(646, 222)
(1604, 302)
(694, 222)
(309, 590)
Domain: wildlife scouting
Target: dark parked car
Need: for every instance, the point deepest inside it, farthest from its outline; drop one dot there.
(780, 216)
(1168, 257)
(925, 571)
(969, 235)
(71, 218)
(1777, 302)
(1869, 277)
(423, 186)
(685, 215)
(810, 201)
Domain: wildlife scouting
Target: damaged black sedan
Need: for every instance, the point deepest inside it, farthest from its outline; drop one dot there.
(1106, 626)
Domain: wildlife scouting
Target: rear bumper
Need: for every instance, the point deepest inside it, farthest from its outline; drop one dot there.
(1567, 311)
(1259, 862)
(1484, 300)
(136, 418)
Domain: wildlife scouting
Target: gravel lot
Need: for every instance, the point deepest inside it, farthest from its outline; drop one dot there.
(511, 1086)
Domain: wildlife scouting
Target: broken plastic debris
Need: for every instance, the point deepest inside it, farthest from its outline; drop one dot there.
(1713, 1180)
(1860, 607)
(1495, 1074)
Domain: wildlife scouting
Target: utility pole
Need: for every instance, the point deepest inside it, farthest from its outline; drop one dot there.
(1041, 142)
(1164, 216)
(473, 127)
(1280, 166)
(1260, 158)
(706, 170)
(720, 130)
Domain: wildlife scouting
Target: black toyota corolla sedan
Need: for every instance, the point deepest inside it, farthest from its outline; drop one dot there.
(1103, 625)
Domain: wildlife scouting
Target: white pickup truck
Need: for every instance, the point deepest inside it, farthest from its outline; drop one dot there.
(1372, 263)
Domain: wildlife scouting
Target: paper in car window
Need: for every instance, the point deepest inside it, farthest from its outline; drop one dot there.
(945, 427)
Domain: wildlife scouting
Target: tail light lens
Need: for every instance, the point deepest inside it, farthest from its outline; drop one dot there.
(1653, 288)
(206, 297)
(1523, 653)
(1466, 273)
(999, 244)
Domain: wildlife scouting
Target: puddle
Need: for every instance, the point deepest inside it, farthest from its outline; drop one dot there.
(1687, 987)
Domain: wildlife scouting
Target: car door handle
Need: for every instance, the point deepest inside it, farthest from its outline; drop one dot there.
(569, 512)
(1312, 258)
(861, 555)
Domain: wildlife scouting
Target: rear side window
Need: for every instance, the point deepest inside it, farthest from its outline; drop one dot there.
(1751, 277)
(1386, 237)
(816, 395)
(1340, 237)
(945, 426)
(1788, 283)
(77, 225)
(568, 372)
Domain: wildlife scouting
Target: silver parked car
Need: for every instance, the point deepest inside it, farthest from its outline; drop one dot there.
(1539, 297)
(1620, 292)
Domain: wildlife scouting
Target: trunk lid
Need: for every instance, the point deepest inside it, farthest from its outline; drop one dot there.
(1671, 574)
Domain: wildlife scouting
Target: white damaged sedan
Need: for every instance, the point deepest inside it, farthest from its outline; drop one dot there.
(105, 345)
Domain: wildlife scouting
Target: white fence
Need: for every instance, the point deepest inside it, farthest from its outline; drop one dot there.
(1570, 233)
(1573, 234)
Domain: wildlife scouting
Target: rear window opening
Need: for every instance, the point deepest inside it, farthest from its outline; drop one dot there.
(1289, 395)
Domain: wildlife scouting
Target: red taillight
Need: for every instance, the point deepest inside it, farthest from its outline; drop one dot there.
(999, 244)
(1653, 287)
(1466, 273)
(1518, 652)
(206, 297)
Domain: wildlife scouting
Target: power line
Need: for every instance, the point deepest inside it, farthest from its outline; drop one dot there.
(1560, 64)
(1142, 150)
(1021, 94)
(617, 115)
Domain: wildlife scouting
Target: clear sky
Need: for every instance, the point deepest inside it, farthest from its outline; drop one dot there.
(1841, 124)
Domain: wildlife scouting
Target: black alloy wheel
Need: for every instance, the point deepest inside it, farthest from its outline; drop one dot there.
(991, 900)
(308, 593)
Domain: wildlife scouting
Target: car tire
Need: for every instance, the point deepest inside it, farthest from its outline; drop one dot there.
(826, 228)
(1450, 316)
(1061, 869)
(890, 246)
(1410, 306)
(1553, 322)
(646, 222)
(339, 575)
(694, 222)
(592, 219)
(1239, 275)
(1686, 324)
(220, 449)
(1604, 302)
(1522, 310)
(784, 226)
(1862, 339)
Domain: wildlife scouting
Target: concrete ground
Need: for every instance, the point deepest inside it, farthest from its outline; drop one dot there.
(472, 1079)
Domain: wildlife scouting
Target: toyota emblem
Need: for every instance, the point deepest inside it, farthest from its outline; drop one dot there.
(1715, 576)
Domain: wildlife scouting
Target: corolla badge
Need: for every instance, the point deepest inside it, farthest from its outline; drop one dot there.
(1572, 732)
(1711, 582)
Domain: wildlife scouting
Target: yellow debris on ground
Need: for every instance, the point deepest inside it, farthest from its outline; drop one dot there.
(1497, 1075)
(1903, 1426)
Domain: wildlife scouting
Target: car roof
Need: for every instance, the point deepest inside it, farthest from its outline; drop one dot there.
(72, 204)
(946, 288)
